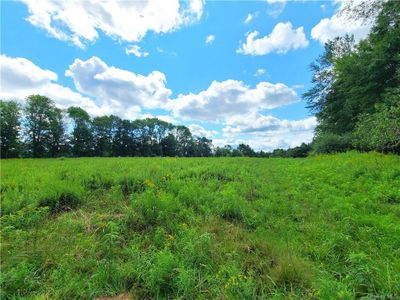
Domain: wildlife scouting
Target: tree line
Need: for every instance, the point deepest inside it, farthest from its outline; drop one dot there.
(40, 129)
(355, 96)
(356, 87)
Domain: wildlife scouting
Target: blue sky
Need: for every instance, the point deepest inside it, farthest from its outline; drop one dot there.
(201, 64)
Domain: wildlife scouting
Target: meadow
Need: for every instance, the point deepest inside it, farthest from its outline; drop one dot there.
(322, 227)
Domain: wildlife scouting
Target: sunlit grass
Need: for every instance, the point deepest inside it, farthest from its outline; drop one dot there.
(324, 227)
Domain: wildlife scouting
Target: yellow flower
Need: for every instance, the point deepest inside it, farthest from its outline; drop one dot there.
(149, 183)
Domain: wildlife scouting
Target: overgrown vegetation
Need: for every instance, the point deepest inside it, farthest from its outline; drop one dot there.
(356, 87)
(325, 227)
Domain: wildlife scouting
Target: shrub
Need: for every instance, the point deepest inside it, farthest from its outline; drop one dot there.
(59, 202)
(331, 143)
(379, 131)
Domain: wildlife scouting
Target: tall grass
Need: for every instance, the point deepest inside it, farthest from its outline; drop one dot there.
(324, 227)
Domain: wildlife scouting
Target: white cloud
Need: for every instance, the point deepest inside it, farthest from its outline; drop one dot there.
(163, 51)
(166, 118)
(282, 39)
(198, 130)
(20, 78)
(104, 90)
(250, 17)
(226, 99)
(339, 25)
(266, 133)
(278, 7)
(259, 72)
(119, 88)
(210, 39)
(79, 22)
(136, 50)
(258, 123)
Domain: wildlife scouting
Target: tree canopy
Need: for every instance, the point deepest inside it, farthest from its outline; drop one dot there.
(357, 85)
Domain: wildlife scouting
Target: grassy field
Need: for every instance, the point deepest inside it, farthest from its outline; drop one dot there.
(325, 227)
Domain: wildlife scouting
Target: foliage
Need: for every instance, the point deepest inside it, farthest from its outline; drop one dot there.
(380, 130)
(44, 127)
(323, 227)
(43, 134)
(9, 124)
(331, 143)
(82, 136)
(351, 82)
(300, 151)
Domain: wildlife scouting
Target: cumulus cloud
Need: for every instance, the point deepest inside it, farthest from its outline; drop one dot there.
(103, 90)
(226, 99)
(20, 78)
(210, 39)
(282, 39)
(136, 50)
(79, 22)
(100, 89)
(198, 130)
(265, 132)
(340, 25)
(121, 88)
(259, 123)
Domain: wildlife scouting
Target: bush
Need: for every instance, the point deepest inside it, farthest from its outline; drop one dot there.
(379, 131)
(331, 143)
(60, 202)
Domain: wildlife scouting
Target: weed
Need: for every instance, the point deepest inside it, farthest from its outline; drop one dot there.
(323, 227)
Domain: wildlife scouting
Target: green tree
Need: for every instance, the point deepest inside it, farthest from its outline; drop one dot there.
(104, 129)
(246, 150)
(44, 127)
(223, 151)
(202, 146)
(169, 145)
(351, 81)
(57, 138)
(9, 126)
(380, 130)
(300, 151)
(123, 143)
(323, 99)
(184, 140)
(82, 136)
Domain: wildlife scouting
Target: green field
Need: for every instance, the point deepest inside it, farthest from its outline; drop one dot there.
(324, 227)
